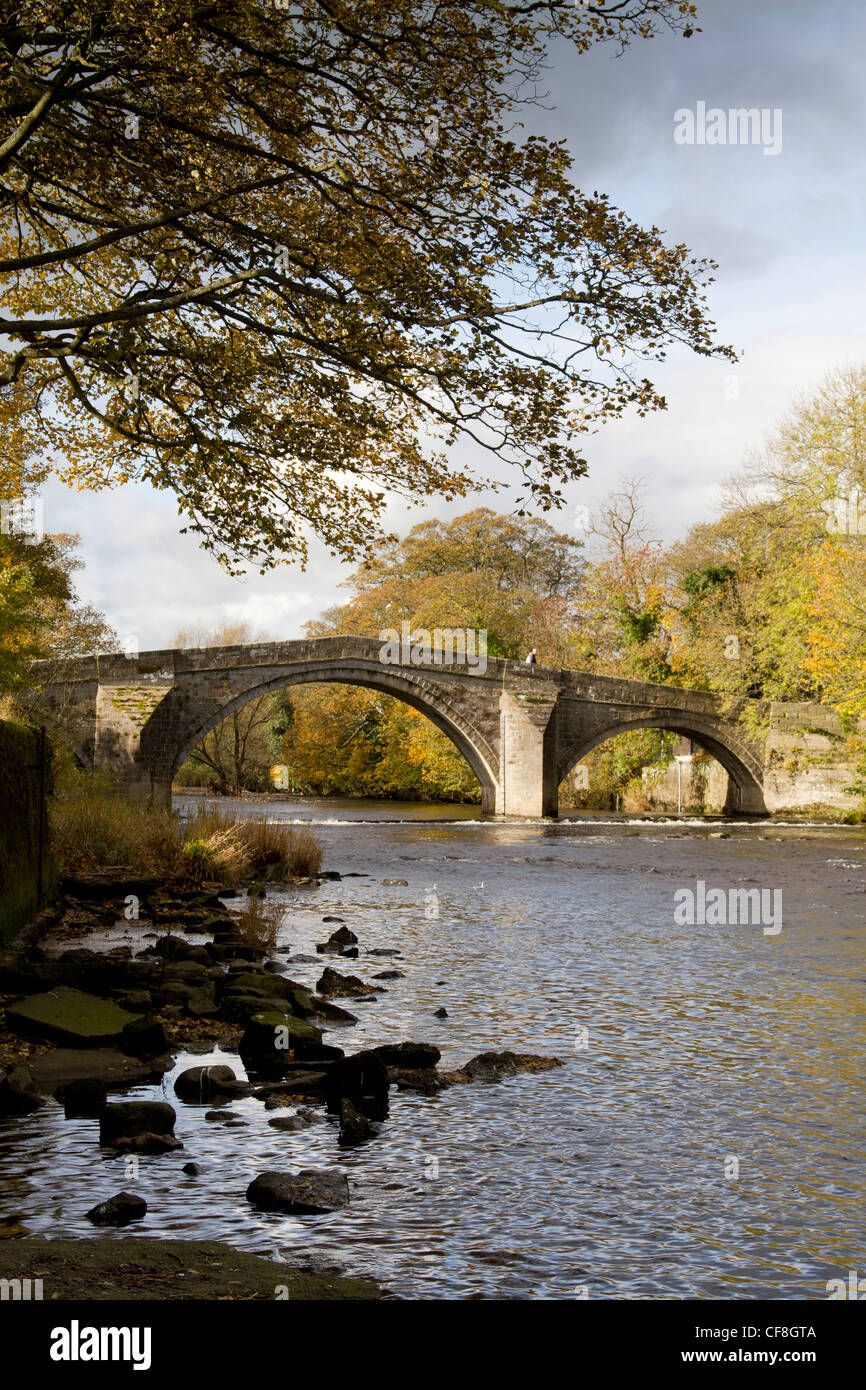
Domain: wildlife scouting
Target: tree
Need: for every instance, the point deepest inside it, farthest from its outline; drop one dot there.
(768, 598)
(279, 258)
(41, 616)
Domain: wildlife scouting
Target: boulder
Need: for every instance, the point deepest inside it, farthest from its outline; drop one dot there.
(424, 1080)
(146, 1144)
(343, 986)
(129, 1118)
(82, 1100)
(68, 1016)
(19, 1094)
(144, 1037)
(290, 1124)
(362, 1079)
(440, 1013)
(119, 1210)
(202, 1083)
(390, 975)
(408, 1055)
(175, 948)
(273, 1038)
(342, 937)
(332, 1014)
(192, 1170)
(354, 1127)
(395, 883)
(53, 1072)
(308, 1193)
(492, 1066)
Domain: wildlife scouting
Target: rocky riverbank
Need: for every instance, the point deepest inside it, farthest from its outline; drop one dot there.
(84, 1019)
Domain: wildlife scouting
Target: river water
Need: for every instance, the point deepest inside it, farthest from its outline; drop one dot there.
(704, 1138)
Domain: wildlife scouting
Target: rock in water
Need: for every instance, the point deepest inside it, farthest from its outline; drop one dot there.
(83, 1099)
(441, 1013)
(346, 986)
(492, 1066)
(202, 1083)
(354, 1128)
(144, 1038)
(308, 1193)
(118, 1210)
(19, 1094)
(129, 1118)
(408, 1055)
(362, 1079)
(69, 1017)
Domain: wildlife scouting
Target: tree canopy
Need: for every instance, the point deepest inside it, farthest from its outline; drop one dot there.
(278, 258)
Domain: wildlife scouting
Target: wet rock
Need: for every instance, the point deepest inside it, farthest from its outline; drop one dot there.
(130, 1118)
(395, 883)
(390, 975)
(272, 1039)
(424, 1080)
(440, 1013)
(174, 948)
(291, 1124)
(493, 1066)
(332, 1014)
(384, 951)
(295, 1081)
(201, 1083)
(19, 1094)
(354, 1127)
(135, 1000)
(192, 1170)
(146, 1144)
(82, 1099)
(222, 951)
(308, 1192)
(349, 953)
(63, 1066)
(342, 937)
(333, 919)
(329, 875)
(408, 1055)
(68, 1016)
(119, 1210)
(343, 986)
(362, 1079)
(144, 1037)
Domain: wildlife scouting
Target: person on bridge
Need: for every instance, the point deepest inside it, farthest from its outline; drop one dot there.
(532, 659)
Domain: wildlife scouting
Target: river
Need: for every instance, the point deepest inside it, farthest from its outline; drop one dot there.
(704, 1139)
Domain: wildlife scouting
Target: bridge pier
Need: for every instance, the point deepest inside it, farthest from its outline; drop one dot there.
(528, 785)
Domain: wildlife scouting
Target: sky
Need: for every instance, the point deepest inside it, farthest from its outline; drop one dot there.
(790, 296)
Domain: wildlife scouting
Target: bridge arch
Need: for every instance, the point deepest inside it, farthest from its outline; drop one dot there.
(177, 726)
(741, 765)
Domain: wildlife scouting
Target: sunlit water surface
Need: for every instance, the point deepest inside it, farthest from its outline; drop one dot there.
(708, 1051)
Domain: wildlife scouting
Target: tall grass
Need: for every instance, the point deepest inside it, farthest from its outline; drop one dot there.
(92, 827)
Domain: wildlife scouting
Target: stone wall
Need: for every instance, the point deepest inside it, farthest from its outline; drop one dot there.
(808, 759)
(23, 837)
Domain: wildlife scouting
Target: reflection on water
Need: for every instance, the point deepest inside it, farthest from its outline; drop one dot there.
(704, 1044)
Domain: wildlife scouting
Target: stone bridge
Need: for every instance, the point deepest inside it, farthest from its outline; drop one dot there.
(520, 728)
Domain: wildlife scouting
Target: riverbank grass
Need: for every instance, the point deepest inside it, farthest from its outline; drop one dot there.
(94, 828)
